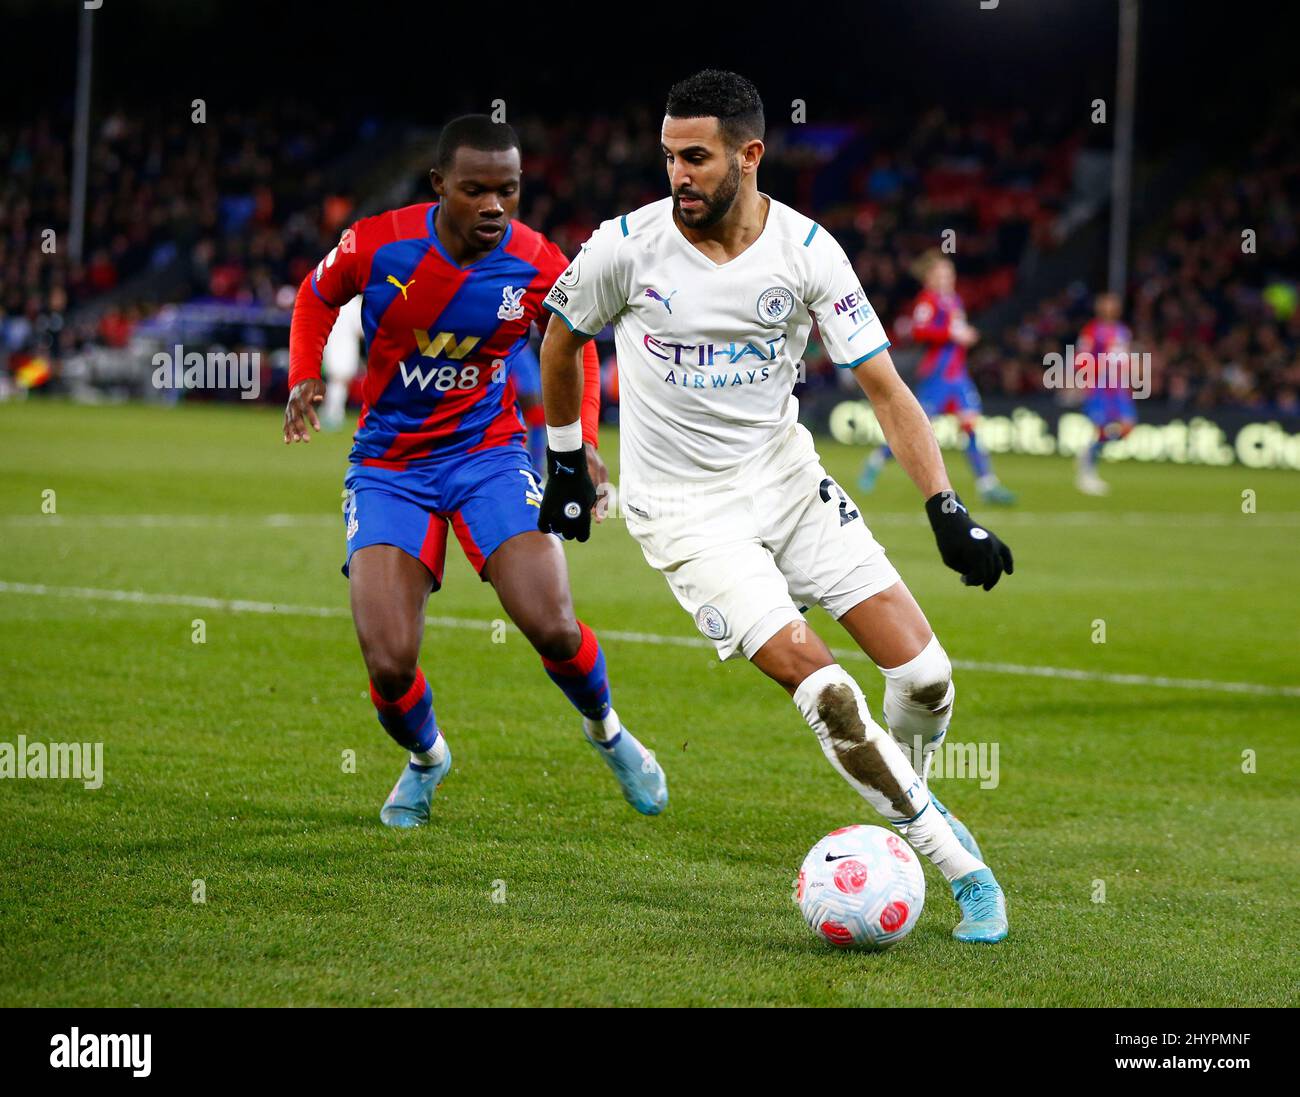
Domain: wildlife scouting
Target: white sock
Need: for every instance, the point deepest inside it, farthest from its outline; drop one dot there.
(931, 836)
(918, 704)
(336, 401)
(434, 756)
(864, 754)
(602, 731)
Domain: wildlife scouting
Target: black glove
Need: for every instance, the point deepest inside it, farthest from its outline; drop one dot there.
(972, 550)
(569, 496)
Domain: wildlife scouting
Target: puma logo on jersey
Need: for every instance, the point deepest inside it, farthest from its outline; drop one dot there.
(655, 295)
(400, 286)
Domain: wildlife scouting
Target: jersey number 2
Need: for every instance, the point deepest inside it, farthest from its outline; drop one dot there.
(847, 514)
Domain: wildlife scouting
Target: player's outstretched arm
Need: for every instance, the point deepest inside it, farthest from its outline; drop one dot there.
(907, 430)
(570, 493)
(973, 551)
(334, 282)
(309, 328)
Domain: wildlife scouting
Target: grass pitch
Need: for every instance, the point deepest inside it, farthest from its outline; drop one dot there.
(225, 761)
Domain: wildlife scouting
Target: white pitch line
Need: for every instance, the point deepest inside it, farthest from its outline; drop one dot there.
(139, 597)
(1159, 681)
(197, 601)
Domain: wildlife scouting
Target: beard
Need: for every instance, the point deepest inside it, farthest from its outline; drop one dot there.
(716, 204)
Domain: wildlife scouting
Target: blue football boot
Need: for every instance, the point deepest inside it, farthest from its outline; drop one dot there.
(408, 804)
(639, 774)
(964, 836)
(983, 907)
(869, 475)
(998, 496)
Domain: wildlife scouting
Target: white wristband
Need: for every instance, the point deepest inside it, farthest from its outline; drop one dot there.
(565, 439)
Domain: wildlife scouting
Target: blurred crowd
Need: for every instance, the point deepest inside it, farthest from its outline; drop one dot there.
(238, 210)
(1212, 298)
(237, 200)
(887, 190)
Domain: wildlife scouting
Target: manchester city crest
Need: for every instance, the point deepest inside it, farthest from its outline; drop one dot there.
(775, 305)
(709, 620)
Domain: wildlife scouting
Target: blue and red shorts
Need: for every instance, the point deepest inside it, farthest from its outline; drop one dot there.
(939, 395)
(1104, 406)
(486, 498)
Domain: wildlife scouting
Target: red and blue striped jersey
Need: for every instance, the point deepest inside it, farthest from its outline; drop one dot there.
(439, 338)
(1100, 337)
(932, 319)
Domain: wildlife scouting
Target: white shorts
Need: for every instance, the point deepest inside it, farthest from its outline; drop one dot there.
(341, 366)
(746, 553)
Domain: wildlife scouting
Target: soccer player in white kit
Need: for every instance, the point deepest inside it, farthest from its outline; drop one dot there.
(341, 362)
(712, 292)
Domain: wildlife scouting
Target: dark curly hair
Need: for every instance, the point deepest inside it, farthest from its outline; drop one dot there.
(726, 96)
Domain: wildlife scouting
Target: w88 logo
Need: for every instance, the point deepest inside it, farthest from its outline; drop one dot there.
(455, 377)
(440, 378)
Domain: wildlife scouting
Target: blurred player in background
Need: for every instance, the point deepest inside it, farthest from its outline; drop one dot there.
(450, 291)
(341, 362)
(943, 384)
(712, 293)
(1109, 404)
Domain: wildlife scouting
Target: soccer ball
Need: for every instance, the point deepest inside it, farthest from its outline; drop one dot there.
(861, 887)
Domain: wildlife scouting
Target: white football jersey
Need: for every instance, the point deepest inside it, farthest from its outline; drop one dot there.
(708, 354)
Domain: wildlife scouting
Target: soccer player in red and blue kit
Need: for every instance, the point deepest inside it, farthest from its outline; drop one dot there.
(450, 290)
(1109, 404)
(943, 384)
